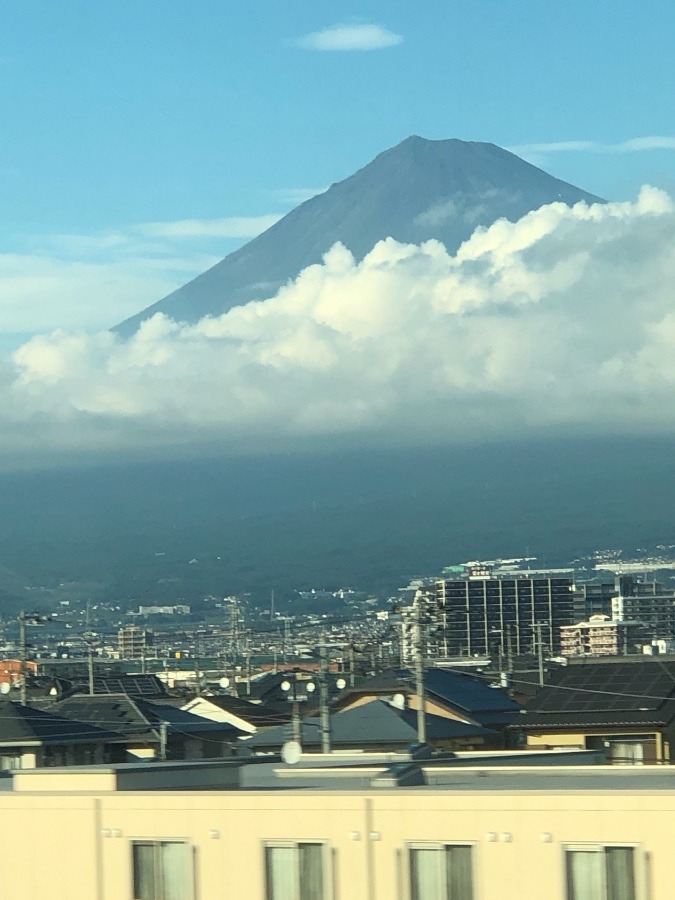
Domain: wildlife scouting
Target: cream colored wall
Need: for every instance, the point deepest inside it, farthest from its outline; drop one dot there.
(61, 846)
(556, 740)
(433, 708)
(564, 739)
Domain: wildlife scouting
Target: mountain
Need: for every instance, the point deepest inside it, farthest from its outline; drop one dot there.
(415, 191)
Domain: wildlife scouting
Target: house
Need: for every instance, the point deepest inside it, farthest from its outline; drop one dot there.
(44, 689)
(31, 738)
(376, 725)
(145, 729)
(626, 708)
(268, 688)
(235, 711)
(447, 693)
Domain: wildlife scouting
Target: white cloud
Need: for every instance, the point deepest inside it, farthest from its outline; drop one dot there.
(92, 281)
(350, 37)
(562, 321)
(652, 142)
(237, 227)
(296, 196)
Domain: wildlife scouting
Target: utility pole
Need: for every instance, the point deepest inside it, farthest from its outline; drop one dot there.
(162, 740)
(90, 667)
(351, 665)
(509, 649)
(419, 676)
(536, 627)
(284, 646)
(23, 652)
(297, 737)
(323, 692)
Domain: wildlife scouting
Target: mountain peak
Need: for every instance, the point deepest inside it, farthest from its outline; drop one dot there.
(417, 190)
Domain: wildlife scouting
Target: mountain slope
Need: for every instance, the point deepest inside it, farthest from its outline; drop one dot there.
(415, 191)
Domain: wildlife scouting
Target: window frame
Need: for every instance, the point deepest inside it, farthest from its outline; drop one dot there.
(600, 848)
(411, 846)
(157, 843)
(295, 844)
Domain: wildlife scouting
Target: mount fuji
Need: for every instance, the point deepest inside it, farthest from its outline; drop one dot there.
(416, 191)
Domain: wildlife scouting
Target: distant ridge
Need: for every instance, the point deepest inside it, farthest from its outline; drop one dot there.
(417, 190)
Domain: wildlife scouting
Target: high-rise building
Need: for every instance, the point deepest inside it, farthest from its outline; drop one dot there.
(482, 613)
(648, 602)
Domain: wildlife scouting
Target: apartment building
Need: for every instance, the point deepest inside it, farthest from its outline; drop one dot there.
(133, 642)
(648, 602)
(481, 613)
(387, 831)
(601, 636)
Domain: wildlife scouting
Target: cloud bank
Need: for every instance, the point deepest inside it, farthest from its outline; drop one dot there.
(561, 322)
(350, 37)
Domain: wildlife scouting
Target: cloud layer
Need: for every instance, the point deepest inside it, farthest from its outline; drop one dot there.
(563, 321)
(350, 37)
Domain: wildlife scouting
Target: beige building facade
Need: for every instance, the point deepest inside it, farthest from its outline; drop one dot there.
(587, 833)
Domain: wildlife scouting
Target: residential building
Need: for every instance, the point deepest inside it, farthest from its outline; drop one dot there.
(601, 636)
(625, 708)
(248, 717)
(447, 693)
(593, 598)
(133, 642)
(377, 725)
(148, 730)
(409, 831)
(12, 671)
(32, 738)
(648, 602)
(480, 613)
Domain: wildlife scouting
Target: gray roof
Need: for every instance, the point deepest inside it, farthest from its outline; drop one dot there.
(462, 692)
(372, 724)
(26, 725)
(133, 717)
(641, 694)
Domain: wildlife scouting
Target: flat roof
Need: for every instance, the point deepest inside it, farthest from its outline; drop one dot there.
(348, 775)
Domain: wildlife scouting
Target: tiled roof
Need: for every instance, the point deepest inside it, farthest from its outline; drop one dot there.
(24, 724)
(639, 694)
(134, 717)
(368, 725)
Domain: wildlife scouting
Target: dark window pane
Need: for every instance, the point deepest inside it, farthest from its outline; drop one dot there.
(459, 877)
(144, 872)
(620, 873)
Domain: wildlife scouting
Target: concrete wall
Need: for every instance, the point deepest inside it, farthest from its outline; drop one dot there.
(65, 845)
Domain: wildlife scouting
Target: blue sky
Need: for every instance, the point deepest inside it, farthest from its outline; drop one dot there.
(144, 139)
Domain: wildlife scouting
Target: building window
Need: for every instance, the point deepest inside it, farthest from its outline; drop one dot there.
(441, 872)
(295, 871)
(600, 873)
(162, 870)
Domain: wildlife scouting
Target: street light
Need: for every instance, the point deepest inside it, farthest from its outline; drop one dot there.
(298, 689)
